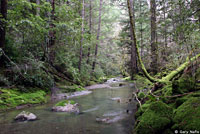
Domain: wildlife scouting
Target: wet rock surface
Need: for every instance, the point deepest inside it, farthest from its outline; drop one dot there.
(25, 116)
(70, 108)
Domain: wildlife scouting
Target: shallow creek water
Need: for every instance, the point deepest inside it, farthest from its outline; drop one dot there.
(100, 104)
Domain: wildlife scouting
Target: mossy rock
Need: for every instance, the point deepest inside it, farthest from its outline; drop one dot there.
(64, 102)
(89, 83)
(180, 101)
(74, 88)
(183, 85)
(141, 110)
(155, 119)
(187, 115)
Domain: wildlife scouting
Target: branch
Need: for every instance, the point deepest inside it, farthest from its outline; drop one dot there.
(1, 50)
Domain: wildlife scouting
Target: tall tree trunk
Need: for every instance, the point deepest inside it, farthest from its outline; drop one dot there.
(52, 26)
(3, 17)
(165, 32)
(171, 75)
(38, 9)
(134, 68)
(90, 26)
(141, 30)
(98, 34)
(154, 47)
(82, 35)
(52, 33)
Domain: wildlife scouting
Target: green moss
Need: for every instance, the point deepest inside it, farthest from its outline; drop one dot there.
(187, 115)
(89, 83)
(74, 88)
(10, 98)
(141, 95)
(64, 102)
(167, 89)
(141, 110)
(183, 85)
(143, 82)
(155, 119)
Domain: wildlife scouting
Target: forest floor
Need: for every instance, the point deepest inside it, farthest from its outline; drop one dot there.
(172, 108)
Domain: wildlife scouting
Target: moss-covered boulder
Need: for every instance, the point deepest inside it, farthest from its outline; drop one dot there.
(65, 102)
(66, 106)
(183, 85)
(74, 88)
(187, 116)
(155, 119)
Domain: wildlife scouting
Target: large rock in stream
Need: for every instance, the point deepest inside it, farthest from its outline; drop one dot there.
(25, 116)
(66, 106)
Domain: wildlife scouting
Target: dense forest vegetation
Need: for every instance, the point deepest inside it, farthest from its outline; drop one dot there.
(50, 45)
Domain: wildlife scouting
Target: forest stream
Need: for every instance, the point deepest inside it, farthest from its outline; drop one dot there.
(110, 103)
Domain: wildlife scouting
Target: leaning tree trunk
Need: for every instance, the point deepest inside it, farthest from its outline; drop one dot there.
(98, 34)
(3, 17)
(171, 75)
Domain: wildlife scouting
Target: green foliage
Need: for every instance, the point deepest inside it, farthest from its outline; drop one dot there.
(65, 102)
(141, 95)
(73, 88)
(10, 98)
(143, 82)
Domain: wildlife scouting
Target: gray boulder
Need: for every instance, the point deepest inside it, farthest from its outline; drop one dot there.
(25, 116)
(70, 108)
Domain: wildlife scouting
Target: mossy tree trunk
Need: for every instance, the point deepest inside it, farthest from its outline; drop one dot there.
(171, 75)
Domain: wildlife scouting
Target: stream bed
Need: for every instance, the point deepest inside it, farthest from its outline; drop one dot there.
(111, 104)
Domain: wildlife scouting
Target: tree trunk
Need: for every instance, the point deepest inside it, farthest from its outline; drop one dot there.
(52, 26)
(90, 32)
(165, 33)
(3, 17)
(154, 47)
(82, 35)
(141, 30)
(52, 32)
(98, 34)
(134, 68)
(38, 9)
(171, 75)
